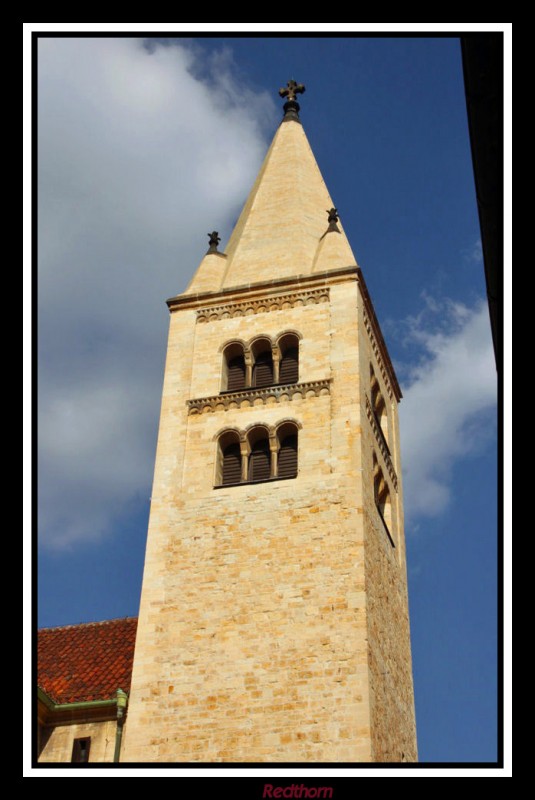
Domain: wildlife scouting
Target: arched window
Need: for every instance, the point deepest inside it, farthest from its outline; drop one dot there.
(289, 358)
(262, 363)
(233, 368)
(259, 455)
(287, 450)
(229, 465)
(263, 453)
(382, 496)
(378, 405)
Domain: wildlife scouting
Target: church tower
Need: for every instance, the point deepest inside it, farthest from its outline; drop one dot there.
(274, 622)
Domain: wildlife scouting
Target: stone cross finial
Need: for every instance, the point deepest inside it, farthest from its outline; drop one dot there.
(291, 106)
(292, 89)
(214, 241)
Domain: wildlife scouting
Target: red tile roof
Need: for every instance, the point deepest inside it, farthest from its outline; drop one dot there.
(91, 661)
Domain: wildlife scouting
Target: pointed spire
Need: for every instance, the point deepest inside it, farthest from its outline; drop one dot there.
(209, 273)
(281, 231)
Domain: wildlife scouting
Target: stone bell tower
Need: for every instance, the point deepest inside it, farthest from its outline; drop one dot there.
(274, 621)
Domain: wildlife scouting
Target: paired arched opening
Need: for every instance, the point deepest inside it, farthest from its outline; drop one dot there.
(382, 497)
(260, 363)
(259, 454)
(378, 405)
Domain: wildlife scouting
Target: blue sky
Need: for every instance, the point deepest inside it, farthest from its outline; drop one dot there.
(146, 146)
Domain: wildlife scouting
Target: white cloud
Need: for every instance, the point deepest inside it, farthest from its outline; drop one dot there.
(447, 408)
(138, 158)
(474, 253)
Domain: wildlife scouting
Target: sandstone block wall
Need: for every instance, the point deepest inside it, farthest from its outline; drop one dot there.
(392, 721)
(257, 640)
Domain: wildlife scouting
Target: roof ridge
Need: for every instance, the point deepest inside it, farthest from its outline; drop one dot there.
(86, 624)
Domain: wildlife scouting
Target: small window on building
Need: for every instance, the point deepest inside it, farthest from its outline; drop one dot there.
(378, 406)
(80, 750)
(287, 451)
(233, 368)
(229, 459)
(289, 359)
(236, 374)
(262, 363)
(231, 464)
(382, 498)
(385, 506)
(263, 371)
(259, 454)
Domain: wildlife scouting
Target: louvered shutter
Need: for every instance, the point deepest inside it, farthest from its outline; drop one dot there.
(289, 366)
(236, 374)
(263, 370)
(259, 464)
(231, 464)
(287, 461)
